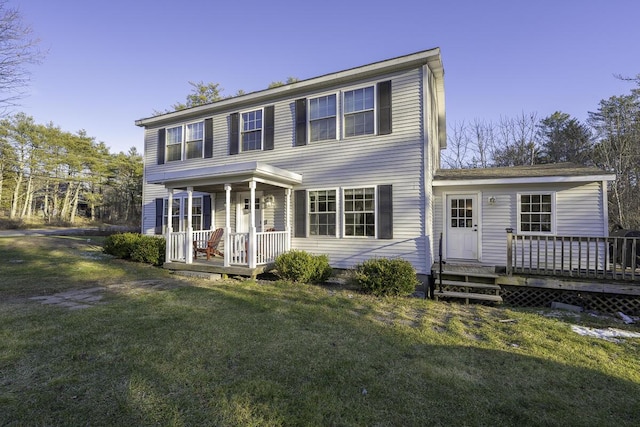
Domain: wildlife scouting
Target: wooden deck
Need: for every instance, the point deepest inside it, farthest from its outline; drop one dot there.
(215, 266)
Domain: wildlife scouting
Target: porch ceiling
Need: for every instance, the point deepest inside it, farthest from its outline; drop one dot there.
(213, 178)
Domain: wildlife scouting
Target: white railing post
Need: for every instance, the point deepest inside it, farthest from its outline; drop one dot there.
(188, 252)
(228, 245)
(287, 219)
(167, 255)
(252, 225)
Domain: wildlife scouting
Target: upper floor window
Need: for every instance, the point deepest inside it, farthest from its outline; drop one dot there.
(359, 212)
(192, 135)
(252, 130)
(359, 112)
(193, 139)
(174, 143)
(536, 212)
(322, 118)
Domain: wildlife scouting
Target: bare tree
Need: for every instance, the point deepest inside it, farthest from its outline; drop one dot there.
(455, 156)
(18, 49)
(518, 142)
(483, 142)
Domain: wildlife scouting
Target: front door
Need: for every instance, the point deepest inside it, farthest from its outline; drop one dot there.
(462, 226)
(243, 212)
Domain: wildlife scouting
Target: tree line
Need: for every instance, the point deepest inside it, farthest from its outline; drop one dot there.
(609, 139)
(57, 176)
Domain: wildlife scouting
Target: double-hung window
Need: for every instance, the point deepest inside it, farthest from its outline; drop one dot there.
(174, 143)
(322, 212)
(322, 118)
(359, 117)
(193, 139)
(536, 212)
(179, 213)
(175, 214)
(252, 130)
(359, 212)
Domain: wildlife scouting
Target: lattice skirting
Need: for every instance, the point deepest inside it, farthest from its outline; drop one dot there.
(539, 297)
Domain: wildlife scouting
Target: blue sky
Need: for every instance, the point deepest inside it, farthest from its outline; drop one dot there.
(112, 62)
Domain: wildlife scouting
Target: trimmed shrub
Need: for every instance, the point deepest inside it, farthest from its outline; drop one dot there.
(149, 250)
(121, 245)
(386, 277)
(303, 267)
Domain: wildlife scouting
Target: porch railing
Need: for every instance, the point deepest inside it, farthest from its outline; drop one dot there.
(269, 245)
(176, 245)
(615, 258)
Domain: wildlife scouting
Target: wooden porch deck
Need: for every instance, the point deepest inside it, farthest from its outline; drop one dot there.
(216, 266)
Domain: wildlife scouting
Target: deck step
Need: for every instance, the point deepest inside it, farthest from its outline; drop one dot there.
(474, 285)
(467, 296)
(468, 274)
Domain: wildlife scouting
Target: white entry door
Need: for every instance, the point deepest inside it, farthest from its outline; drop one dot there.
(243, 212)
(462, 226)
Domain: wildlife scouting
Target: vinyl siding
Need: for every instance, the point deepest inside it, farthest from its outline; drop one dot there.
(397, 159)
(579, 212)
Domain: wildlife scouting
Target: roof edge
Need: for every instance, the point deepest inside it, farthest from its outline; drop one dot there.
(430, 56)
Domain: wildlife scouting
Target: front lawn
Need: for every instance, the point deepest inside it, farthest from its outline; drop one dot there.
(234, 352)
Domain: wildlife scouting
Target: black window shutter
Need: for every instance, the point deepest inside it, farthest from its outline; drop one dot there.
(234, 133)
(269, 125)
(208, 138)
(161, 146)
(301, 213)
(301, 122)
(384, 107)
(206, 212)
(385, 212)
(159, 215)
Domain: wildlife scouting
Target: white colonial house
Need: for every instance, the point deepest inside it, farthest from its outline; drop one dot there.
(346, 164)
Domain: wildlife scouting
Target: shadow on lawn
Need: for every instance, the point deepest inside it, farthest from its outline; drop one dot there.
(312, 361)
(238, 353)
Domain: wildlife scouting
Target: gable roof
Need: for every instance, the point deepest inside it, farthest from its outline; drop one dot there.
(552, 172)
(430, 57)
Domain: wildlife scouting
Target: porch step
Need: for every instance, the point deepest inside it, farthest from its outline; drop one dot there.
(467, 296)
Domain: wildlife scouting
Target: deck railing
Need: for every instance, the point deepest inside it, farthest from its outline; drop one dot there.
(615, 258)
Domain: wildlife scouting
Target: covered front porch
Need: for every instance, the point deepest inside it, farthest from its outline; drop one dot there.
(250, 202)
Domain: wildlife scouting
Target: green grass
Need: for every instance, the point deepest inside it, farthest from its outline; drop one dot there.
(271, 353)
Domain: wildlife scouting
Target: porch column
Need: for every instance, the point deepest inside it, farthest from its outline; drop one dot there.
(287, 218)
(228, 246)
(188, 248)
(252, 225)
(212, 226)
(167, 255)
